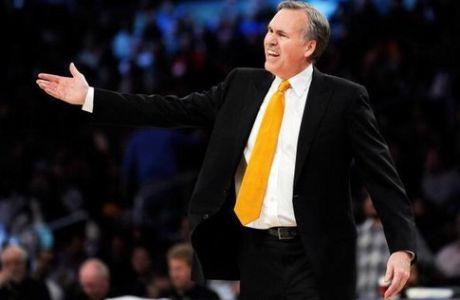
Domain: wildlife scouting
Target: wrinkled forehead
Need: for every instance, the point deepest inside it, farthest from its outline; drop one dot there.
(289, 20)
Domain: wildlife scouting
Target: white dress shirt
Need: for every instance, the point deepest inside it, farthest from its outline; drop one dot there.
(277, 208)
(89, 101)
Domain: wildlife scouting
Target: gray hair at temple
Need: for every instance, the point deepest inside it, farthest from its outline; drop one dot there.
(317, 28)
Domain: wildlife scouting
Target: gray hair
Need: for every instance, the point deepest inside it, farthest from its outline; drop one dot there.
(317, 25)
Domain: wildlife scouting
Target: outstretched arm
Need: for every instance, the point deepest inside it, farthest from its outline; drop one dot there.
(68, 89)
(109, 107)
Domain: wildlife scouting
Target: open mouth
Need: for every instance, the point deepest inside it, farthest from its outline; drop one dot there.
(272, 53)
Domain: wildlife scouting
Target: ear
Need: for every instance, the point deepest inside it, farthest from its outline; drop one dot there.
(310, 48)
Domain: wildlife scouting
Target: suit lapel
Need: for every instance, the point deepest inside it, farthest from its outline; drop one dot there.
(317, 101)
(256, 94)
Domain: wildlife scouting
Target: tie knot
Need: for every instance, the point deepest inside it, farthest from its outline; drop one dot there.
(284, 86)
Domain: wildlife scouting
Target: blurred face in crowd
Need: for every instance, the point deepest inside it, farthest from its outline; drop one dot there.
(140, 260)
(14, 263)
(287, 50)
(179, 273)
(44, 262)
(156, 285)
(94, 284)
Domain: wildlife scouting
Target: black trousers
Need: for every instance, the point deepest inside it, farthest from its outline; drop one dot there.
(273, 269)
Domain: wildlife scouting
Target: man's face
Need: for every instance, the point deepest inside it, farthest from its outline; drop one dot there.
(180, 273)
(95, 287)
(14, 265)
(140, 261)
(286, 49)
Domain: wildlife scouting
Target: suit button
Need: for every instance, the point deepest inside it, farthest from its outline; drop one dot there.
(296, 196)
(205, 217)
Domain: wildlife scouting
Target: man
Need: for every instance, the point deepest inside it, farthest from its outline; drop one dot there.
(141, 263)
(15, 284)
(448, 258)
(180, 258)
(271, 205)
(94, 280)
(44, 264)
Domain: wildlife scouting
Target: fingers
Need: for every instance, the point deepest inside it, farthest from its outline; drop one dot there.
(50, 77)
(74, 71)
(397, 283)
(49, 87)
(55, 78)
(43, 84)
(393, 288)
(389, 273)
(398, 271)
(387, 280)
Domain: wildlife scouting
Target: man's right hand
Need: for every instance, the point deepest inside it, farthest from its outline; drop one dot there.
(72, 90)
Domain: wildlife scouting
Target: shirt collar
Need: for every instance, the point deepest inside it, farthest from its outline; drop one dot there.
(300, 82)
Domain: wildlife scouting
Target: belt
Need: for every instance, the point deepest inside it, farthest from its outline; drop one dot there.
(283, 233)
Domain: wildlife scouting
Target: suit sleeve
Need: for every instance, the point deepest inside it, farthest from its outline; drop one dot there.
(194, 110)
(374, 161)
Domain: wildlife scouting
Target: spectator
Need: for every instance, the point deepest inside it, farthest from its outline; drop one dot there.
(440, 183)
(157, 285)
(448, 258)
(180, 267)
(94, 280)
(372, 252)
(43, 269)
(141, 263)
(15, 284)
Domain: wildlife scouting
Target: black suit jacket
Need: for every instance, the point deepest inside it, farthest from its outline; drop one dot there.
(338, 128)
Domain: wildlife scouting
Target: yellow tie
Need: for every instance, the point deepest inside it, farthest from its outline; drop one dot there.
(252, 191)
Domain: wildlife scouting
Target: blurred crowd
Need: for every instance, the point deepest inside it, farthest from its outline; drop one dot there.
(81, 200)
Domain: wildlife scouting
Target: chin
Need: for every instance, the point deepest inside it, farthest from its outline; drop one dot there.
(270, 68)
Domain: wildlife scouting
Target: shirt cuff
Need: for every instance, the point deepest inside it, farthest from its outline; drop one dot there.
(89, 100)
(411, 254)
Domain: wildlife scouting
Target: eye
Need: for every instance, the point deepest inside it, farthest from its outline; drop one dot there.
(282, 34)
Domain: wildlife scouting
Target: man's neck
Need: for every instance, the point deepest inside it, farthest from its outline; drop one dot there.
(293, 74)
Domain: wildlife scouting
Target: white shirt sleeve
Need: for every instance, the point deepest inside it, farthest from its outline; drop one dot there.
(89, 101)
(411, 254)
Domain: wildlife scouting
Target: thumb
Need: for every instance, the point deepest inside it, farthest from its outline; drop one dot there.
(74, 71)
(389, 273)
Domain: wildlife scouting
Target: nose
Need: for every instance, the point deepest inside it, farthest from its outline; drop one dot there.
(271, 39)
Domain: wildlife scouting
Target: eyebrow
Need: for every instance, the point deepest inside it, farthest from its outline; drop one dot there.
(277, 31)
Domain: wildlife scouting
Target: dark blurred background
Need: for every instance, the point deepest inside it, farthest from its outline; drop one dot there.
(77, 190)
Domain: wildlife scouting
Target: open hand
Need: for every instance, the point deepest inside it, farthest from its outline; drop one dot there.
(69, 89)
(398, 271)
